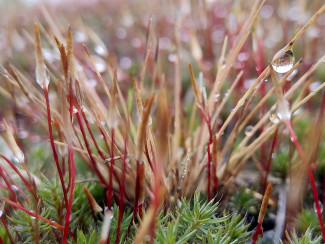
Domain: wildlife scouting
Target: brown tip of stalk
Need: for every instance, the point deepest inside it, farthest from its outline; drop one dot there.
(70, 55)
(38, 48)
(93, 204)
(137, 96)
(143, 127)
(57, 42)
(265, 202)
(194, 85)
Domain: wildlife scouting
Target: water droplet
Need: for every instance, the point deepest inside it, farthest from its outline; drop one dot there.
(284, 63)
(100, 63)
(18, 157)
(172, 58)
(1, 212)
(92, 82)
(320, 205)
(42, 75)
(216, 97)
(80, 36)
(273, 155)
(101, 50)
(14, 188)
(120, 33)
(274, 118)
(227, 93)
(248, 130)
(223, 66)
(32, 217)
(150, 121)
(125, 63)
(282, 110)
(22, 134)
(136, 42)
(313, 86)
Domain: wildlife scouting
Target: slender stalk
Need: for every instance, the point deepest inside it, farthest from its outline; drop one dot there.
(92, 135)
(52, 223)
(268, 166)
(265, 202)
(110, 186)
(6, 228)
(121, 200)
(94, 164)
(55, 156)
(69, 206)
(294, 139)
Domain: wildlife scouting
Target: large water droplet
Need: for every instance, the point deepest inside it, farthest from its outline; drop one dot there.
(248, 130)
(284, 63)
(282, 110)
(42, 75)
(320, 205)
(18, 156)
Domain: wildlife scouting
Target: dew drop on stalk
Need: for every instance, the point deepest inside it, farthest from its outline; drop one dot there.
(42, 75)
(284, 63)
(32, 217)
(320, 205)
(18, 157)
(282, 110)
(99, 63)
(14, 188)
(248, 130)
(274, 118)
(150, 121)
(2, 206)
(216, 97)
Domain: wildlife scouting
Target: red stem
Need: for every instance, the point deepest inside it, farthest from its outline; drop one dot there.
(92, 135)
(69, 206)
(268, 166)
(18, 173)
(209, 171)
(55, 156)
(52, 223)
(121, 202)
(257, 233)
(6, 228)
(310, 175)
(110, 186)
(94, 165)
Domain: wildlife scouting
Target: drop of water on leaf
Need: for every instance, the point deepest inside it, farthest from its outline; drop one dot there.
(284, 63)
(320, 205)
(274, 118)
(248, 130)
